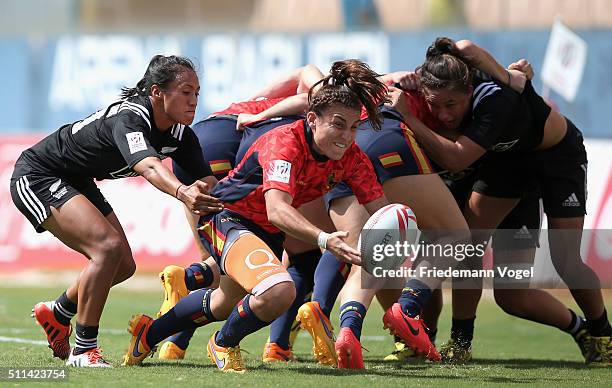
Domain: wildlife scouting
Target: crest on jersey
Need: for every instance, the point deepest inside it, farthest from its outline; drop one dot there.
(136, 142)
(501, 147)
(279, 171)
(333, 178)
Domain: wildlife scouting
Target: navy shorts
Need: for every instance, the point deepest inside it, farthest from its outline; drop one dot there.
(559, 171)
(213, 229)
(34, 193)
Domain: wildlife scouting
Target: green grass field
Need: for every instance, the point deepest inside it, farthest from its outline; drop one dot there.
(507, 351)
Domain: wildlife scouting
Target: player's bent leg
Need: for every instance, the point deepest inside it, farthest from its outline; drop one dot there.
(99, 240)
(439, 215)
(177, 282)
(253, 265)
(301, 269)
(357, 296)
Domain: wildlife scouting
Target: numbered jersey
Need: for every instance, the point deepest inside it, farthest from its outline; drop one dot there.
(284, 159)
(107, 144)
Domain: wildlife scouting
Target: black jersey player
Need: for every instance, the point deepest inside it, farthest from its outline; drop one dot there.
(53, 186)
(528, 144)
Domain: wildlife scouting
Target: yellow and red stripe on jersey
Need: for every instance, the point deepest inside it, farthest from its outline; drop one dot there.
(422, 161)
(391, 159)
(220, 166)
(213, 236)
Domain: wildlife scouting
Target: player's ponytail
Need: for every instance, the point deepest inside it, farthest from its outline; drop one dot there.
(353, 84)
(162, 70)
(445, 67)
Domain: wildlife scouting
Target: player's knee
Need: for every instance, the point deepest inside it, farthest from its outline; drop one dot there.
(109, 251)
(127, 269)
(278, 298)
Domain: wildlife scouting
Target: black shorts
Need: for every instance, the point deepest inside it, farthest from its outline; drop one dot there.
(559, 171)
(520, 229)
(34, 193)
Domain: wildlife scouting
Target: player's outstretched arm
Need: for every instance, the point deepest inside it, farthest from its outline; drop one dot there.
(194, 196)
(451, 155)
(298, 81)
(294, 105)
(289, 220)
(514, 77)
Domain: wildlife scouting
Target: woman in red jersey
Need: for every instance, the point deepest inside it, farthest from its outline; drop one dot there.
(285, 168)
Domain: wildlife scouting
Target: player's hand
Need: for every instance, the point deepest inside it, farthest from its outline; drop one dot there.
(520, 72)
(197, 199)
(523, 66)
(397, 100)
(245, 119)
(340, 249)
(406, 80)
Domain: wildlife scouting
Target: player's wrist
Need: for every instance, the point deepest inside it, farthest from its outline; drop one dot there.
(322, 239)
(178, 191)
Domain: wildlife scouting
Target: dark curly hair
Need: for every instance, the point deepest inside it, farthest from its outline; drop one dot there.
(445, 67)
(353, 84)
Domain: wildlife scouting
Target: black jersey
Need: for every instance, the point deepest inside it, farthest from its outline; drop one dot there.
(502, 119)
(107, 144)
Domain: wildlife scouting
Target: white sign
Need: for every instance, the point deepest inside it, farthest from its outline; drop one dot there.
(564, 61)
(89, 71)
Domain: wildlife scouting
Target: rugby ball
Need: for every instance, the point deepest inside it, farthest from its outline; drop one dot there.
(385, 236)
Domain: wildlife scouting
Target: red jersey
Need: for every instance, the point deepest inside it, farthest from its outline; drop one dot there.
(284, 159)
(251, 106)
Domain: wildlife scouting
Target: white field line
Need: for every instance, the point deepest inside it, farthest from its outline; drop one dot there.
(22, 341)
(14, 330)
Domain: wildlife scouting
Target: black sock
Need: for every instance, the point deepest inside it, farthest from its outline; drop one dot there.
(86, 338)
(600, 327)
(576, 325)
(462, 331)
(64, 309)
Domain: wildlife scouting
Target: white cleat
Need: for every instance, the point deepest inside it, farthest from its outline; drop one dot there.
(90, 359)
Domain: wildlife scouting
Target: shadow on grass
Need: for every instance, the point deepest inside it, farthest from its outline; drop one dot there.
(525, 363)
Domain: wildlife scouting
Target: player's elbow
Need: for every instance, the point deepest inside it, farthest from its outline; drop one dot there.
(466, 47)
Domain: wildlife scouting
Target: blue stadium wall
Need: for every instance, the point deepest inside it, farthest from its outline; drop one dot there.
(49, 82)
